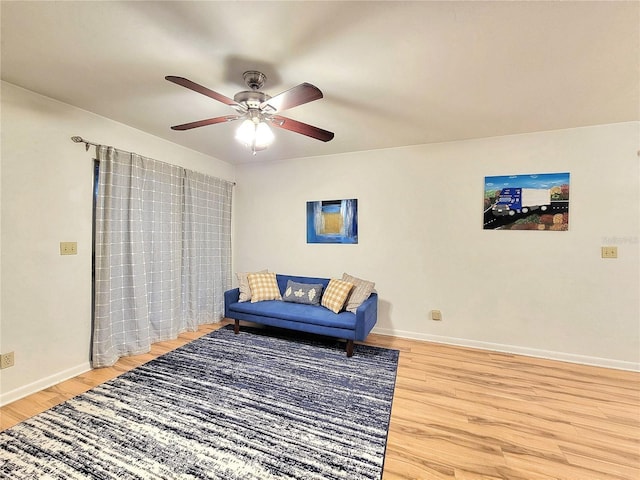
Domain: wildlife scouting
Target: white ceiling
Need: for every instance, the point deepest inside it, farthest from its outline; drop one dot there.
(392, 73)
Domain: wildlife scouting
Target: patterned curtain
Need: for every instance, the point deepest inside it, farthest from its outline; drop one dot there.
(162, 253)
(206, 247)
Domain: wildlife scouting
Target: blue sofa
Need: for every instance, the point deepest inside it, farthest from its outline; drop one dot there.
(306, 318)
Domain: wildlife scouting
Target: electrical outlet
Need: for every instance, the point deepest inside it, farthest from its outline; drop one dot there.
(436, 315)
(609, 252)
(7, 360)
(68, 248)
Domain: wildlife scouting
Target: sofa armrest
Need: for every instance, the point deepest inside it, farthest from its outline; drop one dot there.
(230, 296)
(366, 317)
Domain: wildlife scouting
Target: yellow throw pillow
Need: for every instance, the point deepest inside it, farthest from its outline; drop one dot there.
(243, 285)
(336, 294)
(264, 286)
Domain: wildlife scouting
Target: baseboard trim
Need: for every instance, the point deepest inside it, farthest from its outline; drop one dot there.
(21, 392)
(514, 349)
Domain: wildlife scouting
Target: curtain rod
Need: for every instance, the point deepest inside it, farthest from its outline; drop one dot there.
(79, 139)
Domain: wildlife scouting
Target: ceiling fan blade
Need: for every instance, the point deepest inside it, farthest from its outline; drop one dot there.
(208, 121)
(303, 128)
(203, 90)
(303, 93)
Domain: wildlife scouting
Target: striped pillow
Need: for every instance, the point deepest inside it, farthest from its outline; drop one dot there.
(336, 294)
(362, 290)
(263, 287)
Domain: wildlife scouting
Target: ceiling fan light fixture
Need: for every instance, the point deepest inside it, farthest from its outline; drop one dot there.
(264, 135)
(255, 134)
(246, 132)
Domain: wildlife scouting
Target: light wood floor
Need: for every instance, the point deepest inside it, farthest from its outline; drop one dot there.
(468, 414)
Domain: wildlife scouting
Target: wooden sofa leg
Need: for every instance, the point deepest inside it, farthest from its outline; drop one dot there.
(236, 326)
(349, 348)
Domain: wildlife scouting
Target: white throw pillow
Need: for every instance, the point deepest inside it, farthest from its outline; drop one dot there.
(361, 291)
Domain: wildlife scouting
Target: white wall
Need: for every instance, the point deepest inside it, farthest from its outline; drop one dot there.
(421, 240)
(421, 237)
(46, 198)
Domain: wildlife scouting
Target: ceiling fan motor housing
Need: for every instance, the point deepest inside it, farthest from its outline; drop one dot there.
(252, 99)
(254, 79)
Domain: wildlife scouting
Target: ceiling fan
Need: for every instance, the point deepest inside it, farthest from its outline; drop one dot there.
(258, 110)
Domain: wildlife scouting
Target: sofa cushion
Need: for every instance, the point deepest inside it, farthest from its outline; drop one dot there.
(297, 312)
(263, 287)
(284, 279)
(243, 285)
(361, 291)
(307, 293)
(336, 294)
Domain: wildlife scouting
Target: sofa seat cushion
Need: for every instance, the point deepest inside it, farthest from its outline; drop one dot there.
(297, 312)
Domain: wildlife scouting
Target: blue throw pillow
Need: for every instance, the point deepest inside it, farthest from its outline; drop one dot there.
(307, 293)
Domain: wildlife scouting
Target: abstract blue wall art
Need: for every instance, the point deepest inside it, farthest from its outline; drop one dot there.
(332, 221)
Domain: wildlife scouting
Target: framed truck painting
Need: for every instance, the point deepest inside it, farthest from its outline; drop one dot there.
(332, 221)
(537, 201)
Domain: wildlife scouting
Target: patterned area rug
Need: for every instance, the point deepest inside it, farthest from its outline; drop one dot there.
(263, 404)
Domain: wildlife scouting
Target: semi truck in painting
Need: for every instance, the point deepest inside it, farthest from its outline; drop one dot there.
(521, 200)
